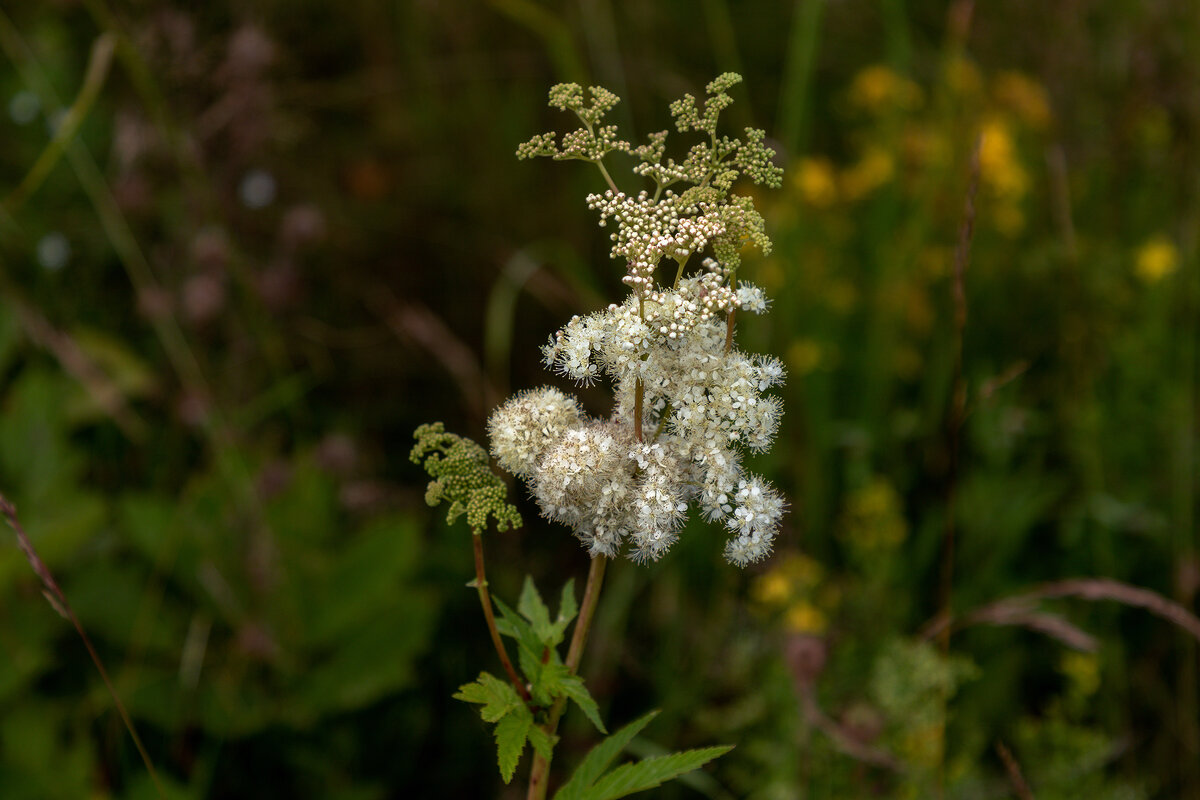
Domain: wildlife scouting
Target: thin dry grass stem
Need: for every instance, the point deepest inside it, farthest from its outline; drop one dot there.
(1061, 197)
(843, 741)
(539, 776)
(1021, 610)
(415, 324)
(997, 382)
(1014, 772)
(97, 72)
(958, 400)
(485, 600)
(58, 601)
(105, 392)
(1108, 589)
(1022, 614)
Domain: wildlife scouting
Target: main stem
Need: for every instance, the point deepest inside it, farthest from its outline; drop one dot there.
(539, 777)
(485, 600)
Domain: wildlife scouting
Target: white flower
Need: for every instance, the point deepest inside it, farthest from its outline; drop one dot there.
(523, 428)
(751, 298)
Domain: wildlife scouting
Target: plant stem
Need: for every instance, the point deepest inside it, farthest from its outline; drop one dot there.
(540, 775)
(58, 601)
(639, 392)
(608, 178)
(485, 600)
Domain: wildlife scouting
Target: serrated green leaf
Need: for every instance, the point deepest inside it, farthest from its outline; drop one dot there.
(529, 649)
(497, 697)
(542, 741)
(511, 733)
(567, 609)
(573, 687)
(650, 772)
(533, 609)
(600, 756)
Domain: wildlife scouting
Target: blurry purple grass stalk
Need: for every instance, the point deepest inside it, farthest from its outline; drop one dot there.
(842, 739)
(75, 362)
(58, 601)
(1020, 787)
(1018, 610)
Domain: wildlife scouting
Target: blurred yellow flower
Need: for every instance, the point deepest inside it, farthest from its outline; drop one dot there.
(815, 181)
(803, 356)
(874, 516)
(999, 166)
(1156, 259)
(841, 296)
(875, 168)
(772, 588)
(935, 261)
(771, 274)
(924, 745)
(1009, 218)
(1024, 97)
(1083, 670)
(878, 88)
(962, 77)
(804, 617)
(925, 146)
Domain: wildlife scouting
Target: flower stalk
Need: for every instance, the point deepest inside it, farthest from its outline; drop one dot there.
(540, 774)
(485, 600)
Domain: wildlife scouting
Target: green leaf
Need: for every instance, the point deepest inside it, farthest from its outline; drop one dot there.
(534, 610)
(572, 686)
(596, 761)
(567, 609)
(511, 733)
(496, 696)
(650, 772)
(542, 741)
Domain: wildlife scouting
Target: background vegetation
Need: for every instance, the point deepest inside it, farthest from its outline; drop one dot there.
(270, 238)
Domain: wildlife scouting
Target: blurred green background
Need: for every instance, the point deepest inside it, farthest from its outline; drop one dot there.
(286, 232)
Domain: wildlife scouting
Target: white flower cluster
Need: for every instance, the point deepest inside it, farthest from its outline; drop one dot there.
(687, 401)
(703, 404)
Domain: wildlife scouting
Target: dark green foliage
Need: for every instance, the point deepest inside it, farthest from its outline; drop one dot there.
(357, 303)
(548, 678)
(590, 781)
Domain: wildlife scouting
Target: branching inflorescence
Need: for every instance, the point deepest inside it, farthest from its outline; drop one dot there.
(688, 402)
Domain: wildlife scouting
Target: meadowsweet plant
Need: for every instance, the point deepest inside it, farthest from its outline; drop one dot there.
(687, 404)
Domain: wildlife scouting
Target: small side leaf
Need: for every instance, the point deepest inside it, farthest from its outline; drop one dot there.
(496, 696)
(600, 756)
(511, 733)
(542, 742)
(534, 609)
(529, 646)
(650, 772)
(572, 686)
(567, 609)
